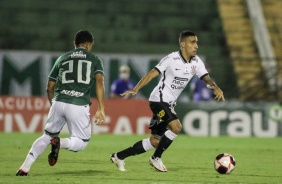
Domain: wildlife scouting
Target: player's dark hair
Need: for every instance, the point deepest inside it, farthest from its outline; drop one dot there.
(185, 34)
(83, 36)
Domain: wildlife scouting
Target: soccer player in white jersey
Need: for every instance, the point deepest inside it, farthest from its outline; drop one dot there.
(176, 70)
(68, 89)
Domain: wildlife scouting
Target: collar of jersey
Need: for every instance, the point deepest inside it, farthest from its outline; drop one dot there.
(183, 59)
(80, 48)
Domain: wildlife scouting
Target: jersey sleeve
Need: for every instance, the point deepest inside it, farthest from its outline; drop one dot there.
(202, 71)
(54, 71)
(99, 67)
(163, 64)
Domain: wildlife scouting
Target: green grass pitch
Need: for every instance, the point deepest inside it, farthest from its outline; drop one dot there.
(188, 160)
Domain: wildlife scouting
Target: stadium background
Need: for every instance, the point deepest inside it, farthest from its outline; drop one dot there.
(139, 33)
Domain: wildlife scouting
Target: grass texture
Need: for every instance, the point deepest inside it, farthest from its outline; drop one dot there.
(188, 160)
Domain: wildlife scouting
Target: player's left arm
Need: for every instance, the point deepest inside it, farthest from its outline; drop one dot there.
(100, 93)
(50, 90)
(212, 85)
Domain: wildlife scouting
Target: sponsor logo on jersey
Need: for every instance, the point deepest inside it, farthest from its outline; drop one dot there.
(179, 83)
(77, 54)
(181, 79)
(72, 93)
(160, 115)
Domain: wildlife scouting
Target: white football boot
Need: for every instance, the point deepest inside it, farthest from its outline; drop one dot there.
(157, 163)
(118, 162)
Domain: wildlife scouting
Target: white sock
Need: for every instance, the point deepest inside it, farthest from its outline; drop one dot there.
(147, 144)
(65, 142)
(169, 134)
(35, 151)
(73, 144)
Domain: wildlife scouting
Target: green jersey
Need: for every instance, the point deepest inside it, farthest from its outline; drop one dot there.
(74, 73)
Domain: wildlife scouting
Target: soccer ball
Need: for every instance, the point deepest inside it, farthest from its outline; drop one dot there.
(224, 163)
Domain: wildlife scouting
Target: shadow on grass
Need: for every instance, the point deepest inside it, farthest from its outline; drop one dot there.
(80, 172)
(262, 176)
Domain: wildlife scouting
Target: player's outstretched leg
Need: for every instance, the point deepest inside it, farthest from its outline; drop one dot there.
(21, 173)
(55, 149)
(35, 151)
(118, 162)
(73, 144)
(138, 148)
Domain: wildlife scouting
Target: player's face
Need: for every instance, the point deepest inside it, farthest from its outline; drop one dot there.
(190, 46)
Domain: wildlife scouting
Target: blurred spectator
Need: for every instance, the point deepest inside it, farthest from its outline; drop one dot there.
(199, 90)
(123, 83)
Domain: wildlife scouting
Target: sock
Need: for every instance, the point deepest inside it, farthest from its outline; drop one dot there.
(35, 151)
(65, 142)
(164, 143)
(136, 149)
(147, 144)
(73, 144)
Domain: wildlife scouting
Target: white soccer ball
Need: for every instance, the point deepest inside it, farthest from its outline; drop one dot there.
(224, 163)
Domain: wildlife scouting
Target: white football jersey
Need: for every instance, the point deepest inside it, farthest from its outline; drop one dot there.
(176, 74)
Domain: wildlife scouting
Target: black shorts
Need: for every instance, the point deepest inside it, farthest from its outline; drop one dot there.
(162, 116)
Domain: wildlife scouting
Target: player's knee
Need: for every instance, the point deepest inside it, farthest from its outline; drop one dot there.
(77, 144)
(154, 141)
(176, 128)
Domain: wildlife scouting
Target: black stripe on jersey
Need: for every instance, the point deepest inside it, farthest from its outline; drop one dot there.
(182, 58)
(158, 70)
(161, 88)
(204, 76)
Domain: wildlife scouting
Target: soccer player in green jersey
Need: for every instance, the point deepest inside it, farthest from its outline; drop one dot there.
(68, 89)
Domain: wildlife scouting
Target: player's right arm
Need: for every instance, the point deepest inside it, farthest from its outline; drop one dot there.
(143, 82)
(50, 90)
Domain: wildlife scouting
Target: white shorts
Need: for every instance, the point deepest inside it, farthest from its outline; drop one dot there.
(77, 118)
